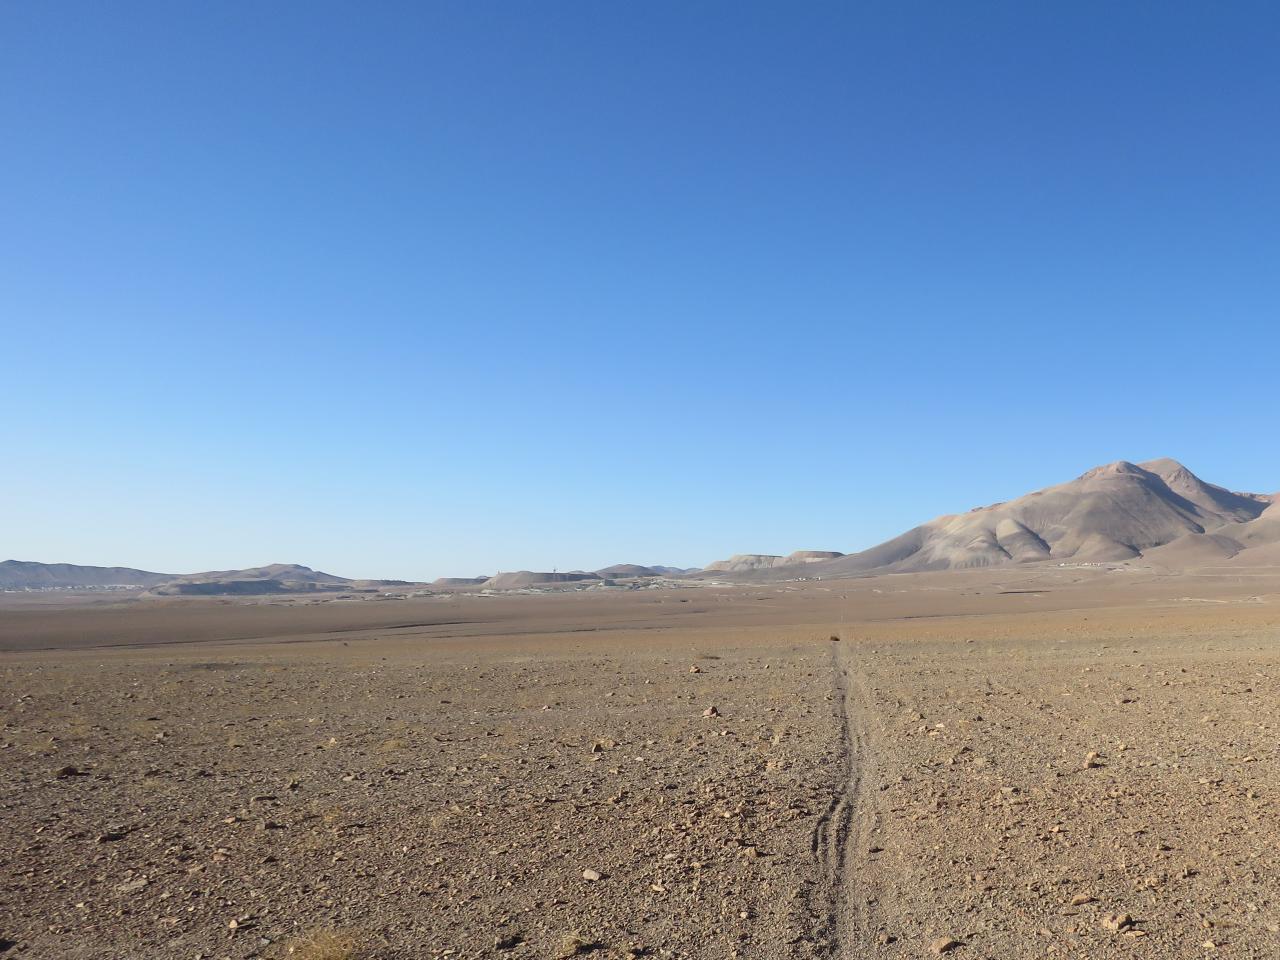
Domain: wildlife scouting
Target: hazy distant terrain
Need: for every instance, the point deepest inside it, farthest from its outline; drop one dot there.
(275, 578)
(1157, 511)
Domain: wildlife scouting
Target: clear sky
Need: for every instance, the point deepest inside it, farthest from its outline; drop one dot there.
(411, 289)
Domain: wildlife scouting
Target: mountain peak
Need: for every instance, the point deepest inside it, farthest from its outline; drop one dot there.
(1114, 512)
(1116, 468)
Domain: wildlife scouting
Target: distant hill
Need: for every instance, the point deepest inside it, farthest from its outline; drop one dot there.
(276, 578)
(1158, 510)
(744, 562)
(30, 575)
(284, 572)
(623, 571)
(273, 578)
(529, 578)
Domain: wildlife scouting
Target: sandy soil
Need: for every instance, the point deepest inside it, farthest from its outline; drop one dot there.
(1062, 763)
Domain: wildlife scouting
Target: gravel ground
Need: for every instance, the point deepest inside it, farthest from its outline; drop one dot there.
(1026, 783)
(516, 802)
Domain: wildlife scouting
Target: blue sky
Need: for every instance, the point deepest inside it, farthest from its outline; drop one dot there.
(420, 289)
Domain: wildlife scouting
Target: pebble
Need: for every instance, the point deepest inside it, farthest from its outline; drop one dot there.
(592, 875)
(944, 945)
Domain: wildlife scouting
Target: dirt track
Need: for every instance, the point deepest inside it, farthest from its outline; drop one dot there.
(440, 789)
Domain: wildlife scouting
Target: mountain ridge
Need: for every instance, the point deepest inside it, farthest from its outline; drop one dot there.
(1111, 513)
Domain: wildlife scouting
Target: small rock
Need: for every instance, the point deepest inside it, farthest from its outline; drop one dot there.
(592, 875)
(711, 712)
(1117, 921)
(944, 945)
(695, 669)
(1080, 899)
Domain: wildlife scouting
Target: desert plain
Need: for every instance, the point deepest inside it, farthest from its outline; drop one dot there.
(1028, 762)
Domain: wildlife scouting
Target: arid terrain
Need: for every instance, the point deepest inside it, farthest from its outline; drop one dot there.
(1011, 763)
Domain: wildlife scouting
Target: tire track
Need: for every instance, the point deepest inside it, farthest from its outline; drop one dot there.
(841, 837)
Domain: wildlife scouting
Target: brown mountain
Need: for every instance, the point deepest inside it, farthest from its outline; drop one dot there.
(1158, 509)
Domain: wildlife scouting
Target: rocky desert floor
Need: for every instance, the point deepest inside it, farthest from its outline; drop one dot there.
(1063, 763)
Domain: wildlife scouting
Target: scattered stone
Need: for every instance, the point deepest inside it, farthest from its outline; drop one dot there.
(711, 712)
(575, 945)
(68, 771)
(944, 945)
(592, 875)
(695, 669)
(1080, 899)
(1117, 921)
(1091, 761)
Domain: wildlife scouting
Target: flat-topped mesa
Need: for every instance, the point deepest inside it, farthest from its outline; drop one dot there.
(812, 556)
(533, 578)
(746, 562)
